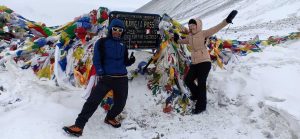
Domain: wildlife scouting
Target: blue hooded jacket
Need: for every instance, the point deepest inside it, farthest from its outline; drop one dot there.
(115, 55)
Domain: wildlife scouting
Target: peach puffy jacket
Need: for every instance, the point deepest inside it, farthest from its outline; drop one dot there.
(196, 41)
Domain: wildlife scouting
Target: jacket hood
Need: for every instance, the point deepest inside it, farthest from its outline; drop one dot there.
(199, 25)
(116, 23)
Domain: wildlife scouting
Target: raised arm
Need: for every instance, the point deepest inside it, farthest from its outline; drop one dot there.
(221, 25)
(214, 29)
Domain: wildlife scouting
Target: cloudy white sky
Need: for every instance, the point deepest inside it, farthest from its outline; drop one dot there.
(57, 12)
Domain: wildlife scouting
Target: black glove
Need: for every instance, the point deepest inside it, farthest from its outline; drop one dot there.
(176, 37)
(231, 16)
(131, 58)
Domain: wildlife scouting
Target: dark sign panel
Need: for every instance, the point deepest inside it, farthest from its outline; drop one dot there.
(141, 29)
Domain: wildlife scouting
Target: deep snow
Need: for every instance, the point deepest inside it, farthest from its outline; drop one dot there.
(256, 97)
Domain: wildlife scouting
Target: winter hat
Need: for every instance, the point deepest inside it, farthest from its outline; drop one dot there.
(192, 21)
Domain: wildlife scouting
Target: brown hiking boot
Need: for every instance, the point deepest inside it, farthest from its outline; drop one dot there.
(113, 122)
(73, 130)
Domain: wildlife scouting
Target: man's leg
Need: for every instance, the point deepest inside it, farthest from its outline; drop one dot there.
(92, 103)
(120, 87)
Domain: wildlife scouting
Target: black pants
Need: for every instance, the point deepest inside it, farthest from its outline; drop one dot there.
(200, 72)
(120, 88)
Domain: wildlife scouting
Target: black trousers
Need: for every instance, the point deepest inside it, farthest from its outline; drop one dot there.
(200, 72)
(119, 85)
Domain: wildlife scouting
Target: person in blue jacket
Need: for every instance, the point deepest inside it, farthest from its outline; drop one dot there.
(110, 59)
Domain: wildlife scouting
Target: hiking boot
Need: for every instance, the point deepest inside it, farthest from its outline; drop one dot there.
(73, 130)
(113, 122)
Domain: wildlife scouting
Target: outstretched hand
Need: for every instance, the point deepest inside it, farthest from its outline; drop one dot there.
(231, 16)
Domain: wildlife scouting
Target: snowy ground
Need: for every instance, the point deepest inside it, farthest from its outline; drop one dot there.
(256, 97)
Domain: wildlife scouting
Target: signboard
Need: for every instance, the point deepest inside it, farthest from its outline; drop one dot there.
(142, 30)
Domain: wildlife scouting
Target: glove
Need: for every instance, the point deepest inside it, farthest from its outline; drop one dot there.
(231, 16)
(131, 59)
(176, 37)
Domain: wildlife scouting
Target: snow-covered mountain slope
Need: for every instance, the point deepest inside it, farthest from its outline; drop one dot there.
(264, 18)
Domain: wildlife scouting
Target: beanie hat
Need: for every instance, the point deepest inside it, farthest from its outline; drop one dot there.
(192, 21)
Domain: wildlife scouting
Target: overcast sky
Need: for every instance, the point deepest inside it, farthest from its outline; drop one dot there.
(57, 12)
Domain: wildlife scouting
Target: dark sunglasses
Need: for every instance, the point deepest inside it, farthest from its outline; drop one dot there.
(117, 29)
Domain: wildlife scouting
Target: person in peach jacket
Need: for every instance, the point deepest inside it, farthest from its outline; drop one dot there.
(201, 62)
